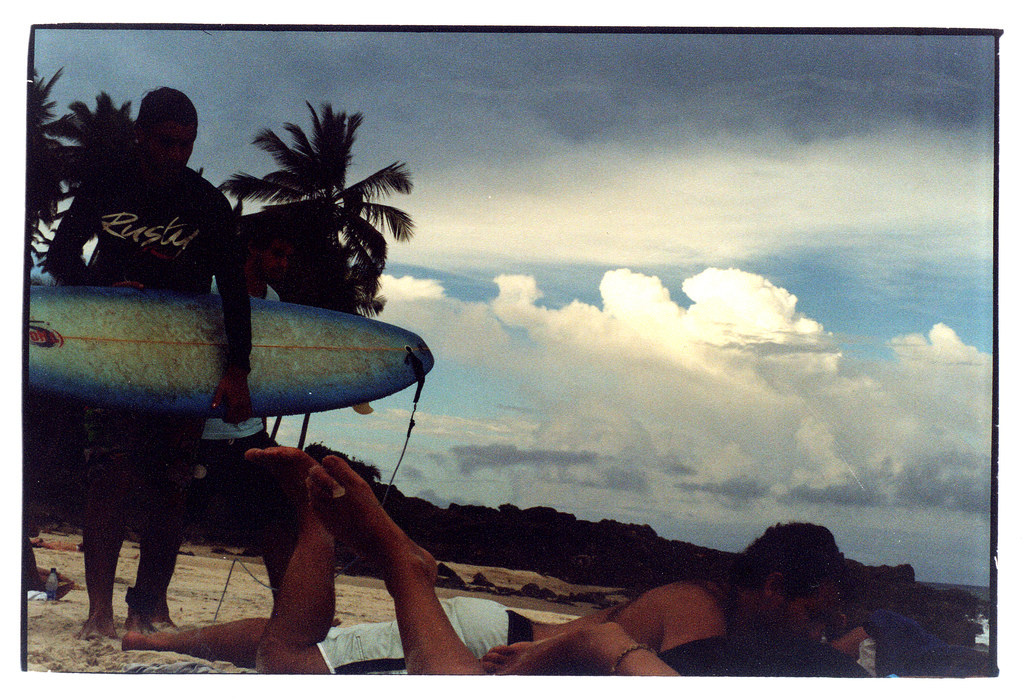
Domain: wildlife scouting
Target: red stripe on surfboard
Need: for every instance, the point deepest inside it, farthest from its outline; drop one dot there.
(220, 344)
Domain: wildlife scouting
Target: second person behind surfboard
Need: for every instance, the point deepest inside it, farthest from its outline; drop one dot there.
(249, 504)
(157, 225)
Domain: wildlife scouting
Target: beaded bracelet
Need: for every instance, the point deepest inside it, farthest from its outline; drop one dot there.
(634, 648)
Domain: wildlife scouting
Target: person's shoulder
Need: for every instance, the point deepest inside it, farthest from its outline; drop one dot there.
(692, 596)
(112, 183)
(687, 611)
(685, 590)
(200, 186)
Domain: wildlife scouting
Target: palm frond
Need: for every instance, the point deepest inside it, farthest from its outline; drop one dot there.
(368, 243)
(343, 251)
(283, 155)
(393, 179)
(398, 222)
(40, 106)
(245, 186)
(300, 143)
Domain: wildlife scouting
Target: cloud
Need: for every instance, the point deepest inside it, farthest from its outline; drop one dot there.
(625, 479)
(409, 288)
(472, 458)
(725, 406)
(739, 491)
(604, 146)
(956, 481)
(737, 307)
(846, 494)
(714, 201)
(818, 429)
(807, 86)
(736, 318)
(941, 347)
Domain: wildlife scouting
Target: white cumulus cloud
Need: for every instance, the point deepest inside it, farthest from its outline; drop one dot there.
(639, 321)
(733, 398)
(410, 288)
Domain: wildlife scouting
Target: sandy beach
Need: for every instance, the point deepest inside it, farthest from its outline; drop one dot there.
(195, 598)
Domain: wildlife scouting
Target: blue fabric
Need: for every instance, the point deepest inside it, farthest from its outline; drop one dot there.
(904, 648)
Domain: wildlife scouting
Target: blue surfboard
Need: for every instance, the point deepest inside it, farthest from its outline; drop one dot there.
(165, 352)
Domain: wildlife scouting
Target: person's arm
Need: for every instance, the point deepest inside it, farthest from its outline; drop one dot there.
(588, 649)
(233, 389)
(63, 258)
(662, 617)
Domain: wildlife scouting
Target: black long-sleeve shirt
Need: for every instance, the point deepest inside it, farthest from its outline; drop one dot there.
(176, 237)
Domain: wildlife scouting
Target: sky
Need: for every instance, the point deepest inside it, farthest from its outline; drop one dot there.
(701, 281)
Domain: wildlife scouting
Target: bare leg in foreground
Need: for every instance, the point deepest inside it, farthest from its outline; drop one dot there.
(234, 642)
(333, 502)
(349, 510)
(303, 607)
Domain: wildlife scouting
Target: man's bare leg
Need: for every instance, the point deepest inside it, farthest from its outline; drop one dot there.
(169, 472)
(102, 536)
(347, 507)
(158, 554)
(303, 607)
(234, 642)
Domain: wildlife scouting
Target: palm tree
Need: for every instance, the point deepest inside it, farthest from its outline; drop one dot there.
(44, 161)
(337, 225)
(101, 140)
(96, 146)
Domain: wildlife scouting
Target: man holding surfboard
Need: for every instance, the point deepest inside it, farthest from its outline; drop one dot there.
(157, 225)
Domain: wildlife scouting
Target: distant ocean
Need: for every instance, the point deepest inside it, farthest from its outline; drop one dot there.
(980, 592)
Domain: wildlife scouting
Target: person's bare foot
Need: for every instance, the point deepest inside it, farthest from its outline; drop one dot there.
(348, 508)
(98, 625)
(148, 625)
(289, 465)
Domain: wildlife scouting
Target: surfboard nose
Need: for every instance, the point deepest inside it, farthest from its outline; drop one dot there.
(421, 351)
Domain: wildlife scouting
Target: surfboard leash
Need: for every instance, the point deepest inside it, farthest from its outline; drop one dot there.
(421, 378)
(228, 580)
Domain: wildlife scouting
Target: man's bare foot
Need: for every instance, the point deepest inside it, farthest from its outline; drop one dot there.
(97, 625)
(349, 509)
(289, 465)
(148, 625)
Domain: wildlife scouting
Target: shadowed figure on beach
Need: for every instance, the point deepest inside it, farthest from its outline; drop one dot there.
(784, 595)
(137, 456)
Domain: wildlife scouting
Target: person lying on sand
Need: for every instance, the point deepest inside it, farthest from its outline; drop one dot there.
(56, 545)
(784, 594)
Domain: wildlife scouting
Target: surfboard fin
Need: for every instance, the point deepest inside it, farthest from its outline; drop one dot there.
(363, 408)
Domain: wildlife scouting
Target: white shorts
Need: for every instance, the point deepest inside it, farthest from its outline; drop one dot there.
(376, 648)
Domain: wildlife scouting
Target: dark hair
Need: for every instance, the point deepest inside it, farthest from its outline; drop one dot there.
(166, 104)
(804, 553)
